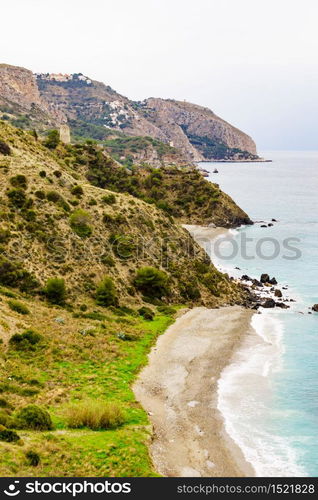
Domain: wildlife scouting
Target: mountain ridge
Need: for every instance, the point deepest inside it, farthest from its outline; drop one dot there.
(51, 99)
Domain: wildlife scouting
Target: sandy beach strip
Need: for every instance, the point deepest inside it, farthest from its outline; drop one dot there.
(178, 389)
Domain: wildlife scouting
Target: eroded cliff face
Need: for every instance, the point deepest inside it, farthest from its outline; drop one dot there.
(19, 94)
(18, 85)
(195, 131)
(180, 121)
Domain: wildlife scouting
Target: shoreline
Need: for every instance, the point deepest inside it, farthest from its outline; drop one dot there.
(258, 160)
(179, 390)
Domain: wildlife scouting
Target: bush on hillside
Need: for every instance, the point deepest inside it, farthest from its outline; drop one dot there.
(33, 417)
(8, 435)
(53, 196)
(13, 274)
(18, 307)
(33, 458)
(25, 341)
(151, 282)
(17, 197)
(106, 294)
(4, 235)
(52, 140)
(146, 313)
(109, 199)
(79, 222)
(77, 191)
(5, 148)
(19, 181)
(55, 290)
(95, 415)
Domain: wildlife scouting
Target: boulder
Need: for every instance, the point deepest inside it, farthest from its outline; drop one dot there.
(278, 293)
(265, 278)
(257, 283)
(270, 224)
(274, 220)
(282, 305)
(273, 281)
(315, 308)
(269, 303)
(263, 225)
(246, 278)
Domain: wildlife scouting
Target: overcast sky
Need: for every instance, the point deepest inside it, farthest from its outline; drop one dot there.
(253, 62)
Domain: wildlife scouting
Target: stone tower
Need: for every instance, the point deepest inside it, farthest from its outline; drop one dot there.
(65, 134)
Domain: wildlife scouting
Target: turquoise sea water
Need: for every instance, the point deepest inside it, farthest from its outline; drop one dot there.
(269, 396)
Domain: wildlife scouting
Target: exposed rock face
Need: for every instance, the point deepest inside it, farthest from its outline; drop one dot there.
(18, 85)
(183, 121)
(196, 131)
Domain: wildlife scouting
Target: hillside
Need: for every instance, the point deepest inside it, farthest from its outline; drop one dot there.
(93, 109)
(88, 278)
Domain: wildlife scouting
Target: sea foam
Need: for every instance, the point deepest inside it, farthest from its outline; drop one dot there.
(245, 400)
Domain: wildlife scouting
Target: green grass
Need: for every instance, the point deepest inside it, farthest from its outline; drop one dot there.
(101, 366)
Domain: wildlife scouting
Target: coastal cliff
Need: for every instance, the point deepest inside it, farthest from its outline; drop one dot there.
(95, 110)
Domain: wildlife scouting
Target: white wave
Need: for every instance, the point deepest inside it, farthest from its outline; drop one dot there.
(245, 400)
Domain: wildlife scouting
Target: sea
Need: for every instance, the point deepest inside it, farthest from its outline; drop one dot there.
(268, 396)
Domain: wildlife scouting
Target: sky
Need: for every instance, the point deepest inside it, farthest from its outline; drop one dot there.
(253, 62)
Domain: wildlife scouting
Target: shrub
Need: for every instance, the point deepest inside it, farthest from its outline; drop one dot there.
(13, 274)
(18, 307)
(77, 191)
(79, 222)
(95, 415)
(19, 181)
(5, 419)
(52, 140)
(151, 281)
(25, 341)
(5, 148)
(146, 313)
(122, 245)
(4, 235)
(109, 199)
(53, 196)
(4, 403)
(106, 294)
(40, 195)
(189, 290)
(55, 290)
(33, 458)
(168, 310)
(42, 173)
(17, 197)
(8, 435)
(33, 417)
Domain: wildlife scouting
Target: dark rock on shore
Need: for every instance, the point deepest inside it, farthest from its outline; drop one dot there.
(282, 305)
(278, 293)
(263, 225)
(315, 307)
(257, 283)
(265, 278)
(269, 303)
(245, 277)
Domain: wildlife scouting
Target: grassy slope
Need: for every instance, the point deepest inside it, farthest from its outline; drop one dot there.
(70, 366)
